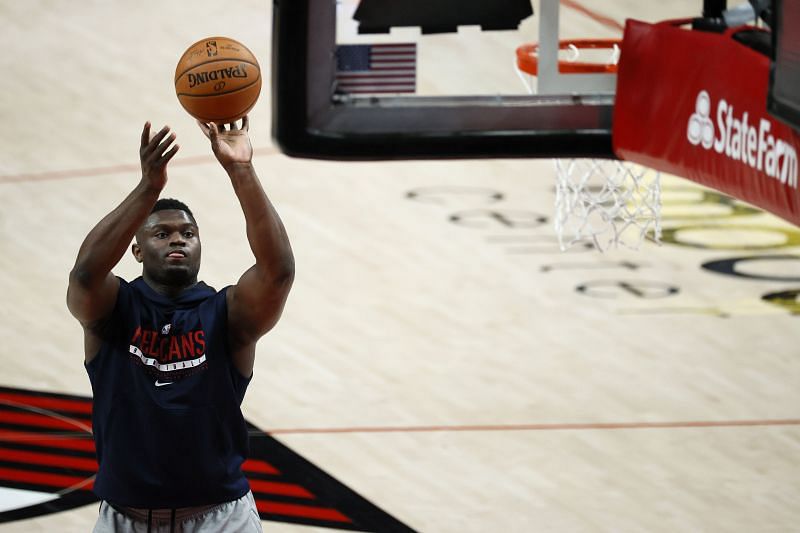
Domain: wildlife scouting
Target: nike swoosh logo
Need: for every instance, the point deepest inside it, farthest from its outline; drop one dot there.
(162, 383)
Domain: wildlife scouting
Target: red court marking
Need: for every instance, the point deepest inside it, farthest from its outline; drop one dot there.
(608, 22)
(541, 427)
(57, 404)
(288, 509)
(261, 467)
(68, 441)
(42, 478)
(65, 174)
(64, 461)
(39, 420)
(116, 169)
(274, 487)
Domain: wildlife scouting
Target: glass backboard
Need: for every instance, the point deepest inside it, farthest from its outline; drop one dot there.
(401, 79)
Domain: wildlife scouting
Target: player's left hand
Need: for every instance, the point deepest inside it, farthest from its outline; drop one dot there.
(231, 145)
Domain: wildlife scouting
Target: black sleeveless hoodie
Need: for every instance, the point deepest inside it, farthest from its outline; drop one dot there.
(168, 427)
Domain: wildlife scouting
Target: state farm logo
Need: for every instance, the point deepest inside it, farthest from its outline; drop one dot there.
(742, 141)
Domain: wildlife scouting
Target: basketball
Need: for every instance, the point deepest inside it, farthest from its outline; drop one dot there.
(217, 80)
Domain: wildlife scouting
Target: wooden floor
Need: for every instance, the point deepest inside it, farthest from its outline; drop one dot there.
(462, 374)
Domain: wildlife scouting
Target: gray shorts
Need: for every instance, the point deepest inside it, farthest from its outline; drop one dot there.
(235, 516)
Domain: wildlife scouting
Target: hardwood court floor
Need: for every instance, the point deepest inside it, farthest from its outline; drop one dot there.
(438, 354)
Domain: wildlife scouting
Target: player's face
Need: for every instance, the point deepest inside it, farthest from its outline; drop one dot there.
(168, 246)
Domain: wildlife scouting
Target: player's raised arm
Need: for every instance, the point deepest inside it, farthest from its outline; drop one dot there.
(255, 303)
(92, 287)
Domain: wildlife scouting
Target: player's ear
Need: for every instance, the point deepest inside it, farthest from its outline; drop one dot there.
(136, 250)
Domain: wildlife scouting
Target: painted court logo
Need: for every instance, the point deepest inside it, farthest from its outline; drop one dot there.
(48, 464)
(742, 138)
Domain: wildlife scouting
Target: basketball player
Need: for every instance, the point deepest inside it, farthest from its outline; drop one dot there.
(169, 358)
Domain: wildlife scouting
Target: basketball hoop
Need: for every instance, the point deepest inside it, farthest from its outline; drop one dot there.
(609, 201)
(528, 57)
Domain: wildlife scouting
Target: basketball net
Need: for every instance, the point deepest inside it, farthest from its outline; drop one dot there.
(606, 201)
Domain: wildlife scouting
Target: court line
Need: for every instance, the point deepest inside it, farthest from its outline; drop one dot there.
(608, 22)
(586, 426)
(117, 169)
(540, 427)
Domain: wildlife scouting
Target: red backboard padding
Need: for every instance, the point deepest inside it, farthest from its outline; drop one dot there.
(693, 104)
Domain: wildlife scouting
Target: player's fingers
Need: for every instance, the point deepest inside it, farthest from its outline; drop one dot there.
(213, 130)
(246, 123)
(164, 159)
(145, 134)
(232, 126)
(156, 140)
(205, 128)
(154, 155)
(166, 142)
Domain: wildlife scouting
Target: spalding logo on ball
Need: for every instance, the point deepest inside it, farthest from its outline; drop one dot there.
(217, 80)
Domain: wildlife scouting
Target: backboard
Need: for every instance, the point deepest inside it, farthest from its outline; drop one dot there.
(393, 79)
(385, 79)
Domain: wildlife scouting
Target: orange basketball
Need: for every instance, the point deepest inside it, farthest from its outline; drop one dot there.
(217, 80)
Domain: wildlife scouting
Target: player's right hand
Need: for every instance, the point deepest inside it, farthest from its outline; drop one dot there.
(154, 154)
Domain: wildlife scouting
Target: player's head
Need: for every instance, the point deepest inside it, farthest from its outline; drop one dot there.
(164, 204)
(168, 244)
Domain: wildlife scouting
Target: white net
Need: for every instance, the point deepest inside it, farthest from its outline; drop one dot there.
(606, 201)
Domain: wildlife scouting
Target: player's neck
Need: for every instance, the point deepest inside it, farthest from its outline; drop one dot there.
(170, 290)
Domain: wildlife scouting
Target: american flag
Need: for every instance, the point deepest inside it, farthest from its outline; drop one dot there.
(376, 68)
